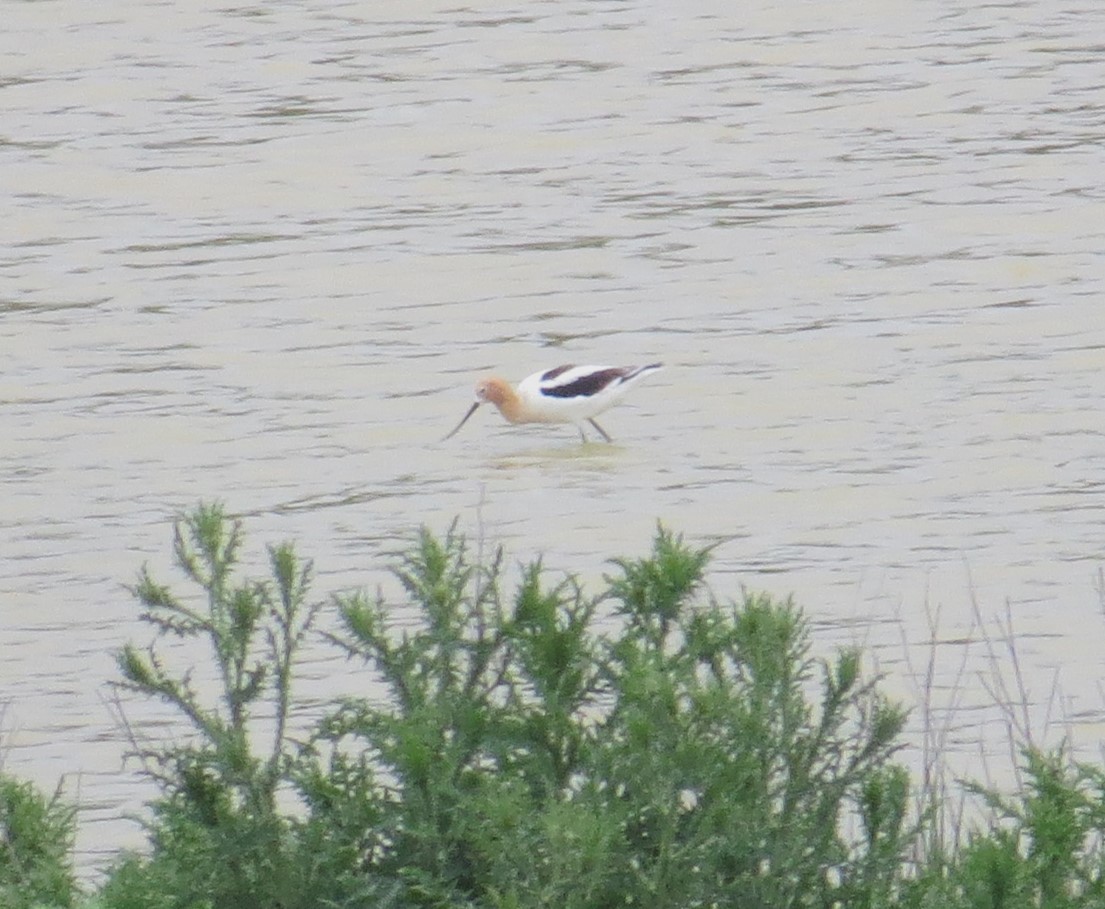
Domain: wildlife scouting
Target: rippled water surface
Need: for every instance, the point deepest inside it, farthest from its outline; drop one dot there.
(261, 253)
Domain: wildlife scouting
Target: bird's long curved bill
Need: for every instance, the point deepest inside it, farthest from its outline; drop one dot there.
(471, 410)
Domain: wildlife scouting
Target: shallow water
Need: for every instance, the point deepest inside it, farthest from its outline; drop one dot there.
(261, 253)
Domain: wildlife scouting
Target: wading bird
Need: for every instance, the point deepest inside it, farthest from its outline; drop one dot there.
(566, 394)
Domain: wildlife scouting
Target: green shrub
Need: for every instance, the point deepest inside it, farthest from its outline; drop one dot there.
(528, 745)
(36, 842)
(218, 837)
(524, 758)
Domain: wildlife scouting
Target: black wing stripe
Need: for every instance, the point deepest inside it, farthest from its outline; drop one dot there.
(585, 386)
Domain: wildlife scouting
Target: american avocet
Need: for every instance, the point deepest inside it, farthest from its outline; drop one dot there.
(567, 394)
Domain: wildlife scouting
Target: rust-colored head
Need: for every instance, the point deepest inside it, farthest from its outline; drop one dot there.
(491, 390)
(494, 390)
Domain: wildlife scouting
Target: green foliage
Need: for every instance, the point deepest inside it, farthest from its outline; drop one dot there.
(1050, 854)
(1043, 849)
(218, 839)
(254, 629)
(36, 837)
(532, 761)
(649, 746)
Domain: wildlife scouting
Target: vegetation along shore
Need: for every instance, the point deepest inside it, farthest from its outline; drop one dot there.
(694, 753)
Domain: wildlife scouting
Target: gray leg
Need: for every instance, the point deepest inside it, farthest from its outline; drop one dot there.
(602, 432)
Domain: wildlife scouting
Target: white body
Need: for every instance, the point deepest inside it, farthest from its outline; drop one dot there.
(541, 405)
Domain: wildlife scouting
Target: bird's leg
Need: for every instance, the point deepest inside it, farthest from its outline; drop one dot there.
(602, 432)
(582, 434)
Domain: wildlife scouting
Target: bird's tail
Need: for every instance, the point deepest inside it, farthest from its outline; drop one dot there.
(644, 370)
